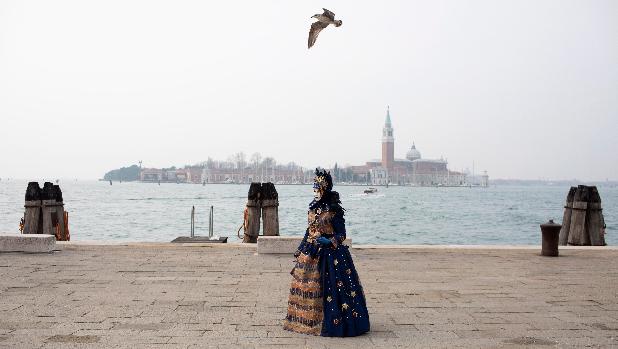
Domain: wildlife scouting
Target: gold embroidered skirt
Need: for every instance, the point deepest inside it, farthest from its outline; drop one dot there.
(305, 303)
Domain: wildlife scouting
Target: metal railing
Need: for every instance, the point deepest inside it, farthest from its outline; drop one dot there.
(211, 221)
(192, 221)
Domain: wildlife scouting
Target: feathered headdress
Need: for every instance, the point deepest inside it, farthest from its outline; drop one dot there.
(322, 180)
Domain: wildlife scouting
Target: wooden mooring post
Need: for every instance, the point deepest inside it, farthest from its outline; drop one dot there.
(595, 223)
(262, 201)
(566, 218)
(270, 210)
(33, 223)
(583, 223)
(252, 212)
(44, 211)
(577, 230)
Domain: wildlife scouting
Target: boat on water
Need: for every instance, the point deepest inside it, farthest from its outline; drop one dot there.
(370, 190)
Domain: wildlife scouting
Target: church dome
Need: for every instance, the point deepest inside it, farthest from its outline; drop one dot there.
(413, 154)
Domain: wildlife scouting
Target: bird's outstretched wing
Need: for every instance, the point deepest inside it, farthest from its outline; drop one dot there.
(316, 28)
(328, 14)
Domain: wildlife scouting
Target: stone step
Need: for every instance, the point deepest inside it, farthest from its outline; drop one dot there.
(282, 244)
(31, 243)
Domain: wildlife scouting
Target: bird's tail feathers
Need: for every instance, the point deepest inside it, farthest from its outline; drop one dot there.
(338, 23)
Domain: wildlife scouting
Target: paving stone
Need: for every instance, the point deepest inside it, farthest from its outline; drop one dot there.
(282, 244)
(166, 296)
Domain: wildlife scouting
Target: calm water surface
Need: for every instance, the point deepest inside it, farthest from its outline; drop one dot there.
(395, 215)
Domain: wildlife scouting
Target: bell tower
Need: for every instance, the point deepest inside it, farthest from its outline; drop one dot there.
(388, 142)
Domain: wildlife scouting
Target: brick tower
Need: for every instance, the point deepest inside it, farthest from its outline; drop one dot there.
(388, 142)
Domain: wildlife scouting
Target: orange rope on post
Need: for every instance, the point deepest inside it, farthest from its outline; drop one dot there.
(244, 223)
(66, 226)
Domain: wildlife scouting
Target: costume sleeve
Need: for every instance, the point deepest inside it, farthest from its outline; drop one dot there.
(338, 223)
(302, 244)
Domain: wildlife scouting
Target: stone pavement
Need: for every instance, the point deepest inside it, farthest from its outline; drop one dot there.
(170, 296)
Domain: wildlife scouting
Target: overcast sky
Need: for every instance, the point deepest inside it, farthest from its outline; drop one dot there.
(525, 89)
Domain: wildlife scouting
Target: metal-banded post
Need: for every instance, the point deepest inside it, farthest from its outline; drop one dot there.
(270, 209)
(566, 218)
(254, 203)
(595, 223)
(33, 221)
(577, 231)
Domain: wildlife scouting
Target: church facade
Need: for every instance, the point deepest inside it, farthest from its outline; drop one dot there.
(412, 170)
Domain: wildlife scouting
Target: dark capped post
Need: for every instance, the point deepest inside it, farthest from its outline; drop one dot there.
(252, 221)
(52, 209)
(44, 211)
(586, 225)
(33, 221)
(270, 210)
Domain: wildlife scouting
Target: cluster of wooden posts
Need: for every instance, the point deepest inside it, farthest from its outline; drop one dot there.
(262, 201)
(583, 223)
(44, 213)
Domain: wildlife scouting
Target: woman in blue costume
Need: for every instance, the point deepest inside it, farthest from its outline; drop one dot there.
(326, 297)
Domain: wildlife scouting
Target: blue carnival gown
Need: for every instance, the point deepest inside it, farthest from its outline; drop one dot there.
(326, 297)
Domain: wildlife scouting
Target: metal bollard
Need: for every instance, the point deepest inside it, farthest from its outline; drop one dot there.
(550, 232)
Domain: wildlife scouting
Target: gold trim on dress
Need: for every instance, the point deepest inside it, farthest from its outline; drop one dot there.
(305, 303)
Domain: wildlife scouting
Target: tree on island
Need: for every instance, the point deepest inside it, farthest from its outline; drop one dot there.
(128, 174)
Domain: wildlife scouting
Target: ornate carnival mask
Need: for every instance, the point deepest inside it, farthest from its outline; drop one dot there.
(317, 194)
(320, 185)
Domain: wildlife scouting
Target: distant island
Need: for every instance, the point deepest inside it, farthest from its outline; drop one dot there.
(239, 169)
(128, 174)
(413, 170)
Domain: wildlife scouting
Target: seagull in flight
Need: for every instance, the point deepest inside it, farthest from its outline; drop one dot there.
(324, 20)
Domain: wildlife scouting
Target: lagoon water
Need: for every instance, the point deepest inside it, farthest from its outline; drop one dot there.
(132, 211)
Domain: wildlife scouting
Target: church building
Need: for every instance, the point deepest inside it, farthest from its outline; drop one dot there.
(413, 170)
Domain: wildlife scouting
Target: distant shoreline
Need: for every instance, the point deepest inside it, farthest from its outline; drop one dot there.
(492, 182)
(495, 182)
